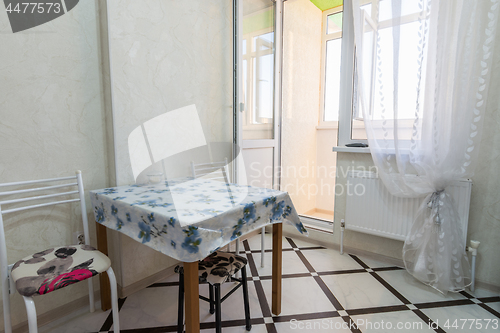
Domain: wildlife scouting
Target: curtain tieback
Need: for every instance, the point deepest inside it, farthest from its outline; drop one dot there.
(434, 204)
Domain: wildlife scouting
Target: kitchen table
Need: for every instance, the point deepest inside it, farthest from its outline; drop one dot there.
(187, 219)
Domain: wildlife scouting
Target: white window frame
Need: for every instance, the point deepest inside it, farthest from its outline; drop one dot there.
(347, 78)
(325, 37)
(248, 123)
(347, 73)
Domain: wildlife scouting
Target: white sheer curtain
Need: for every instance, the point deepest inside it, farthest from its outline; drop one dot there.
(423, 70)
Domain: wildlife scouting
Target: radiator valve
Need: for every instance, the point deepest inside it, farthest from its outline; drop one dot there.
(473, 247)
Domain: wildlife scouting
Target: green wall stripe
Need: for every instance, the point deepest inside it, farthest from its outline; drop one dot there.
(327, 4)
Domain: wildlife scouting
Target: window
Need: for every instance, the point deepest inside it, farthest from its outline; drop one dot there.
(331, 58)
(258, 84)
(378, 29)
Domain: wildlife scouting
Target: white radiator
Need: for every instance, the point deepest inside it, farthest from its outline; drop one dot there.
(378, 212)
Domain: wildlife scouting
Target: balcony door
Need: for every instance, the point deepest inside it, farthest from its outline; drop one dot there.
(257, 90)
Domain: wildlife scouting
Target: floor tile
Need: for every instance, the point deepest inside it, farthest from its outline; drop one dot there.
(495, 306)
(300, 295)
(336, 324)
(233, 307)
(360, 290)
(400, 321)
(330, 260)
(372, 263)
(361, 294)
(150, 307)
(254, 243)
(79, 321)
(304, 243)
(446, 317)
(414, 290)
(261, 328)
(291, 263)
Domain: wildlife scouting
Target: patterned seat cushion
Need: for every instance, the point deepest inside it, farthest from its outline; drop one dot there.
(56, 268)
(219, 266)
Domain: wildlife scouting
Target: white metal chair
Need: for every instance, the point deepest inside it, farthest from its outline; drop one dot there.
(56, 267)
(219, 171)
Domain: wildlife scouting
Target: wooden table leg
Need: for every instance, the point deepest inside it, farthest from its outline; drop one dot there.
(277, 268)
(105, 290)
(192, 292)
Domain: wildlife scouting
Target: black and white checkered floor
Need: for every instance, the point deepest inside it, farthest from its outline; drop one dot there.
(322, 291)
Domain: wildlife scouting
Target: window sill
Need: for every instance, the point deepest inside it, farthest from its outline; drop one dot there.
(257, 127)
(327, 127)
(344, 149)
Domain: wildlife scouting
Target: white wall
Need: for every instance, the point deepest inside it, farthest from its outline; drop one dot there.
(484, 217)
(326, 161)
(55, 107)
(301, 84)
(52, 123)
(166, 55)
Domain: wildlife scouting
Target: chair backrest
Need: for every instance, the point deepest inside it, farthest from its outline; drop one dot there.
(24, 197)
(211, 170)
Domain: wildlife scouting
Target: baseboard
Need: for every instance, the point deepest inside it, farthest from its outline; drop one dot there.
(141, 284)
(310, 212)
(250, 234)
(57, 313)
(488, 286)
(371, 255)
(324, 211)
(318, 210)
(292, 233)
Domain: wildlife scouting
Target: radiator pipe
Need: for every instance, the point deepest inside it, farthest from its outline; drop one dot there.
(342, 228)
(473, 250)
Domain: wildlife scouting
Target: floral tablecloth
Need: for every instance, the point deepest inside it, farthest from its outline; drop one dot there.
(187, 219)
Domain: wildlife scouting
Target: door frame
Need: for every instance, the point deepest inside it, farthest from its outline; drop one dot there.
(238, 142)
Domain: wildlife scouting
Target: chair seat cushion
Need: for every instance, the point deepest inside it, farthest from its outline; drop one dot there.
(219, 266)
(56, 268)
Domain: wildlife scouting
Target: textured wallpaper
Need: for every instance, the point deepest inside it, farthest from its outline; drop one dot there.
(166, 56)
(51, 124)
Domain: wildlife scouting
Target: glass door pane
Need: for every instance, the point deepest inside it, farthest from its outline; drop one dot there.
(257, 81)
(332, 78)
